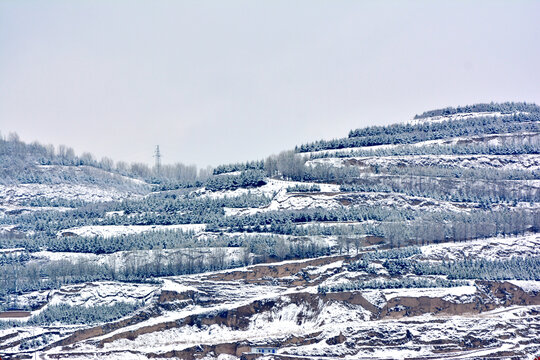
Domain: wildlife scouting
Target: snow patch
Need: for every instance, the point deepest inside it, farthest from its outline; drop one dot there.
(457, 291)
(492, 248)
(108, 231)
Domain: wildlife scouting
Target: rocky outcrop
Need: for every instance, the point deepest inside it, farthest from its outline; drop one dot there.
(258, 273)
(490, 295)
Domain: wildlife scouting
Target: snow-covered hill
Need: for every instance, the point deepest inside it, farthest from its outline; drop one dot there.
(415, 240)
(278, 305)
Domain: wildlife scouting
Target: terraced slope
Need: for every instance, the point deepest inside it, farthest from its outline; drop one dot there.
(417, 240)
(281, 305)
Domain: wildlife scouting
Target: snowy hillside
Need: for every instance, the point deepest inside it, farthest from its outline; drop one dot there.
(414, 240)
(280, 305)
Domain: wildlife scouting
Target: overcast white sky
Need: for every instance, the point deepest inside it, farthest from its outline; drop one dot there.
(223, 81)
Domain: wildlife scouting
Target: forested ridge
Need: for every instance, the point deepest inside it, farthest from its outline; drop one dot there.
(288, 206)
(408, 133)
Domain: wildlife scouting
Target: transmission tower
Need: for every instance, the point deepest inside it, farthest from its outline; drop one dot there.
(157, 156)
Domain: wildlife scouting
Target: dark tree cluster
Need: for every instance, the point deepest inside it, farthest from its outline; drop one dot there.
(403, 283)
(409, 134)
(72, 315)
(304, 188)
(228, 168)
(515, 268)
(246, 179)
(505, 108)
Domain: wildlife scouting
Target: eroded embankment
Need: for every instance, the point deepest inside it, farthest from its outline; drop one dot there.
(489, 296)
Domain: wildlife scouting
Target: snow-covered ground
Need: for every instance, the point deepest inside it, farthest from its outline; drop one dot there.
(102, 293)
(504, 162)
(9, 209)
(292, 201)
(333, 200)
(278, 323)
(270, 189)
(108, 231)
(288, 318)
(83, 183)
(15, 194)
(121, 260)
(529, 286)
(85, 172)
(426, 336)
(462, 116)
(94, 294)
(224, 311)
(522, 138)
(280, 303)
(445, 293)
(496, 248)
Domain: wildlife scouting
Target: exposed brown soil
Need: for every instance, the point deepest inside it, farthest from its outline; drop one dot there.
(81, 335)
(259, 273)
(14, 314)
(354, 298)
(490, 295)
(506, 293)
(169, 296)
(239, 349)
(355, 162)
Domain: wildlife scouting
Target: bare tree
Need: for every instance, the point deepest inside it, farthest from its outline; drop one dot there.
(290, 165)
(282, 249)
(245, 256)
(357, 243)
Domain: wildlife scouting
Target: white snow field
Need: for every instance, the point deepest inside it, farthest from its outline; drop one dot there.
(496, 248)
